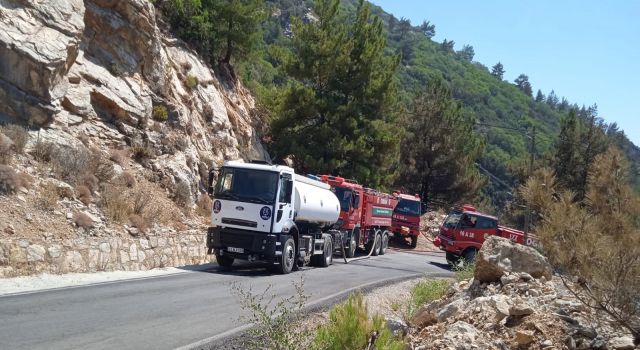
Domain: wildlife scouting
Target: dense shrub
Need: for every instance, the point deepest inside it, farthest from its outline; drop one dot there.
(43, 150)
(8, 180)
(350, 327)
(182, 194)
(70, 162)
(160, 113)
(142, 152)
(191, 82)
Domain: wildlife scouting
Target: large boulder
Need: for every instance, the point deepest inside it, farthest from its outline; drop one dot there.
(499, 256)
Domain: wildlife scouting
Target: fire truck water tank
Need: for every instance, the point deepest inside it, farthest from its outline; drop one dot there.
(314, 202)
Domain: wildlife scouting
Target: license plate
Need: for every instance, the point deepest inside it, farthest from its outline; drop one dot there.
(235, 250)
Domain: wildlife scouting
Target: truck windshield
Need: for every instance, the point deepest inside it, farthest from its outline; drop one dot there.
(452, 220)
(408, 207)
(344, 196)
(247, 185)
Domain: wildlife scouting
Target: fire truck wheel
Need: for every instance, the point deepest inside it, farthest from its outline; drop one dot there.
(224, 261)
(384, 242)
(288, 258)
(414, 241)
(452, 259)
(378, 241)
(469, 255)
(351, 248)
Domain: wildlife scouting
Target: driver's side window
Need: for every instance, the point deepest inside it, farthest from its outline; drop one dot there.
(468, 221)
(282, 195)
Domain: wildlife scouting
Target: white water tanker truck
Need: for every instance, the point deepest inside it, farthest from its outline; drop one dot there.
(269, 213)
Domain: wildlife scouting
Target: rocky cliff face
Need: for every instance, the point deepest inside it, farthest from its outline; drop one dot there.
(97, 70)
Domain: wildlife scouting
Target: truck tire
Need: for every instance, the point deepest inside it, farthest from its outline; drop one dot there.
(326, 258)
(414, 241)
(288, 258)
(469, 255)
(378, 243)
(452, 259)
(350, 252)
(224, 261)
(384, 242)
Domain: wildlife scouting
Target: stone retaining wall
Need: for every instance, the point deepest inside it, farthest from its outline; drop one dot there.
(91, 254)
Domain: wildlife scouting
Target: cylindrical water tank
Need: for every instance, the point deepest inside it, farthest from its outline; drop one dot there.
(314, 202)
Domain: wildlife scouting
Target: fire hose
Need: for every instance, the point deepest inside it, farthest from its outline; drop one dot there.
(344, 255)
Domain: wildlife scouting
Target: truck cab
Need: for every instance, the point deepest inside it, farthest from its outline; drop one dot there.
(465, 229)
(406, 217)
(264, 212)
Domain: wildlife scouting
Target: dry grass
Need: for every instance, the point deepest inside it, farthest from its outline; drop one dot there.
(83, 220)
(6, 149)
(204, 206)
(140, 222)
(142, 152)
(70, 163)
(182, 194)
(142, 205)
(18, 134)
(119, 156)
(42, 151)
(25, 180)
(47, 199)
(128, 179)
(91, 182)
(8, 180)
(84, 194)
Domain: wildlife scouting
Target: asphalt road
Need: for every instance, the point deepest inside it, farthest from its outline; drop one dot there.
(187, 309)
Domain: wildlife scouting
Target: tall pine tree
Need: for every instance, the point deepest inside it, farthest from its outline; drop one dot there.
(440, 150)
(338, 116)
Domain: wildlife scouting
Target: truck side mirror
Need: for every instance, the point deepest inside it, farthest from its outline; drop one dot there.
(289, 190)
(210, 183)
(356, 200)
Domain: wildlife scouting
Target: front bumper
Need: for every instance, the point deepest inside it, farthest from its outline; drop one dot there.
(253, 245)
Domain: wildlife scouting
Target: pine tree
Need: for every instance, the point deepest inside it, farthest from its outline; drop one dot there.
(498, 70)
(539, 96)
(440, 149)
(552, 99)
(447, 45)
(428, 29)
(237, 26)
(467, 53)
(339, 115)
(522, 82)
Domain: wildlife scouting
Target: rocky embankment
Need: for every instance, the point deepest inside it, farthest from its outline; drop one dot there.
(112, 109)
(512, 302)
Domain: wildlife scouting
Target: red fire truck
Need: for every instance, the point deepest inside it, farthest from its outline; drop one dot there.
(364, 214)
(465, 229)
(406, 217)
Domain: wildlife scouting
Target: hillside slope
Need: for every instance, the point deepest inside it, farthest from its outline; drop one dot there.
(505, 114)
(118, 123)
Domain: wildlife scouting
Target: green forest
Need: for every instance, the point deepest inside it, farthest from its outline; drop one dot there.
(354, 91)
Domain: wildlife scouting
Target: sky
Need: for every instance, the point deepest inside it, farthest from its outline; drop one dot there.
(587, 51)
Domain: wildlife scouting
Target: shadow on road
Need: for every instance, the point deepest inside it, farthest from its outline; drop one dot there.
(441, 265)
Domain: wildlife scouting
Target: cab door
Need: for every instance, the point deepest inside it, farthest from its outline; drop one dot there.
(284, 208)
(469, 230)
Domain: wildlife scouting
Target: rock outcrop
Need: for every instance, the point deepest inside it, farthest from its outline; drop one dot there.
(98, 69)
(499, 256)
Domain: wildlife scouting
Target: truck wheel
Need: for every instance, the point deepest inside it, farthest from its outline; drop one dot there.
(224, 261)
(326, 258)
(378, 241)
(351, 248)
(469, 256)
(384, 243)
(288, 258)
(452, 259)
(414, 241)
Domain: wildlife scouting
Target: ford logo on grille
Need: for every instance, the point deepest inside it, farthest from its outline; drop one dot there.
(239, 208)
